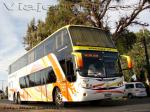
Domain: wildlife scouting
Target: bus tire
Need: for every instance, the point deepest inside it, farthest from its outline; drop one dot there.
(130, 96)
(14, 98)
(58, 98)
(95, 102)
(19, 99)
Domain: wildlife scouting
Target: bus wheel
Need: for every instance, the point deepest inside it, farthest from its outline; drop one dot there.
(18, 99)
(58, 98)
(130, 96)
(14, 98)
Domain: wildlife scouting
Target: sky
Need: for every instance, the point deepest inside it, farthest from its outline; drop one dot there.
(14, 18)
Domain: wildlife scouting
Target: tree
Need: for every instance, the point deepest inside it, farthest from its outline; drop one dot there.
(98, 12)
(137, 52)
(57, 16)
(30, 40)
(130, 19)
(126, 41)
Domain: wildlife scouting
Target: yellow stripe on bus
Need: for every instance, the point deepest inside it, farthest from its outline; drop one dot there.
(60, 76)
(75, 48)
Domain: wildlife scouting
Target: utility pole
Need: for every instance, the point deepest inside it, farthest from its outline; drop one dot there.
(146, 56)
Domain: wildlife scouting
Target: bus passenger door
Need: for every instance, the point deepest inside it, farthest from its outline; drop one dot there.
(71, 78)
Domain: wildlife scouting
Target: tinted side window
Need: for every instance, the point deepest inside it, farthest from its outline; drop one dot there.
(31, 80)
(39, 52)
(22, 82)
(58, 40)
(70, 71)
(37, 78)
(43, 77)
(24, 61)
(31, 57)
(62, 39)
(67, 67)
(27, 81)
(50, 76)
(129, 86)
(66, 38)
(49, 45)
(139, 85)
(63, 66)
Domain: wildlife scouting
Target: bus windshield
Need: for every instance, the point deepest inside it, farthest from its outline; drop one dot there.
(112, 66)
(100, 65)
(85, 36)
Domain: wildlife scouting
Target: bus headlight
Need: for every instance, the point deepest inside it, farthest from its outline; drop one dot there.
(120, 84)
(85, 84)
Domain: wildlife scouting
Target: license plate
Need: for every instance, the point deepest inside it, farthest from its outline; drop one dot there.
(107, 95)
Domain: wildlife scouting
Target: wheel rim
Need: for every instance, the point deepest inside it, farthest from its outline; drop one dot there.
(130, 96)
(58, 98)
(15, 101)
(18, 99)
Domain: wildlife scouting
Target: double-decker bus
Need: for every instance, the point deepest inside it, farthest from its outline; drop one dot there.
(74, 64)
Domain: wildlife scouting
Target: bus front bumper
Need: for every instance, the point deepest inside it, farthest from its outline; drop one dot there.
(89, 95)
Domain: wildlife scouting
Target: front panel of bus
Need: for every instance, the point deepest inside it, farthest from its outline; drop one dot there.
(97, 65)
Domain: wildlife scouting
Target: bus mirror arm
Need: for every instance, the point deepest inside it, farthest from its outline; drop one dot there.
(71, 78)
(78, 69)
(126, 69)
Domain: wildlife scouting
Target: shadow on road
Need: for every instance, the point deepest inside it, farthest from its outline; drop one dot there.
(93, 104)
(110, 103)
(86, 105)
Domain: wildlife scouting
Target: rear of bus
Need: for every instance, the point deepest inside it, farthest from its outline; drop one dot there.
(97, 65)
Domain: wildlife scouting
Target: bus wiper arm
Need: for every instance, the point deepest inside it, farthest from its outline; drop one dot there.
(116, 74)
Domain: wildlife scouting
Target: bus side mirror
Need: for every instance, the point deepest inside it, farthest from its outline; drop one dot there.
(78, 69)
(78, 59)
(126, 62)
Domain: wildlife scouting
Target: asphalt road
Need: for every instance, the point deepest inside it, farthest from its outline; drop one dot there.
(132, 105)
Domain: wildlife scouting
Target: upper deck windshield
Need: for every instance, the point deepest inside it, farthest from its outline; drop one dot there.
(86, 36)
(102, 65)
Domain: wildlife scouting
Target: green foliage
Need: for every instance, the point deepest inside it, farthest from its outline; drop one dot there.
(131, 44)
(137, 53)
(31, 35)
(57, 17)
(125, 41)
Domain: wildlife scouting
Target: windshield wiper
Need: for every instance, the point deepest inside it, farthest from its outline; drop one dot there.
(96, 74)
(116, 74)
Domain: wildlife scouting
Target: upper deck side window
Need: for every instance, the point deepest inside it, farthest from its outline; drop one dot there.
(62, 38)
(51, 45)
